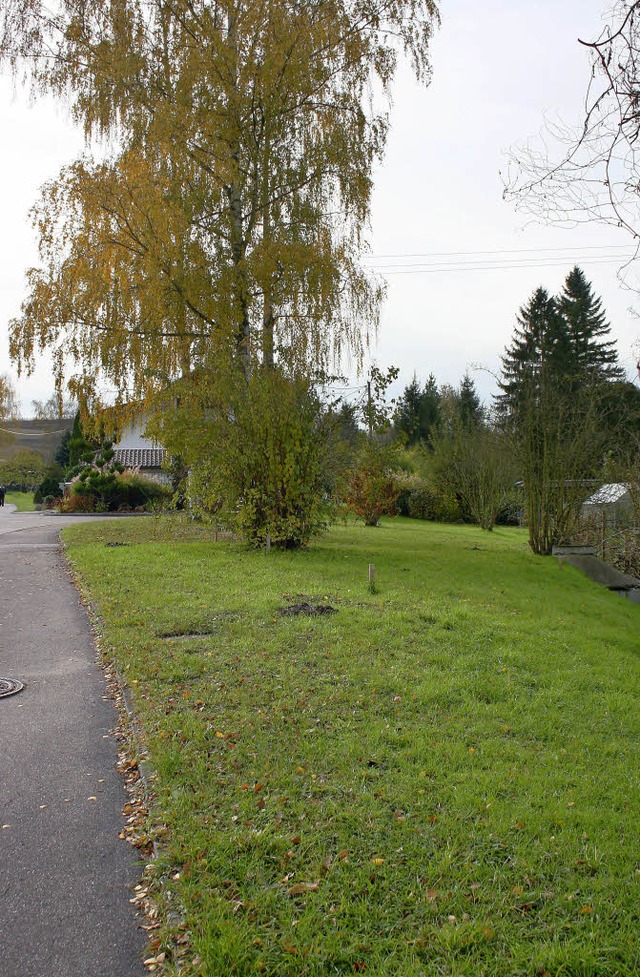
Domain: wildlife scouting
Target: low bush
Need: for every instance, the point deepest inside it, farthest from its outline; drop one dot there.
(419, 501)
(49, 488)
(97, 490)
(371, 488)
(76, 503)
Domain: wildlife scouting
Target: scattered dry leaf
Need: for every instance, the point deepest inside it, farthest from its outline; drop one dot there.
(301, 887)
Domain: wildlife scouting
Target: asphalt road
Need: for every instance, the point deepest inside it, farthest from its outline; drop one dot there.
(65, 876)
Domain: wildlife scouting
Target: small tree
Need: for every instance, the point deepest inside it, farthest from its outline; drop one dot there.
(53, 408)
(23, 470)
(76, 449)
(370, 488)
(9, 408)
(257, 457)
(559, 444)
(49, 487)
(477, 468)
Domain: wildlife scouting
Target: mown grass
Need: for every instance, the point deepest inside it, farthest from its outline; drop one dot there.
(23, 501)
(442, 778)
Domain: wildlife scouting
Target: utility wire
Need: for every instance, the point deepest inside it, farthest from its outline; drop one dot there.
(506, 265)
(438, 262)
(467, 254)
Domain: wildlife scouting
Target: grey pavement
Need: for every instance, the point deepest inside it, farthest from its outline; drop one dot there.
(66, 878)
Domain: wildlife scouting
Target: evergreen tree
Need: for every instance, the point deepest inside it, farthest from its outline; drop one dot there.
(556, 377)
(407, 414)
(346, 422)
(586, 326)
(469, 404)
(79, 449)
(62, 454)
(418, 411)
(538, 352)
(430, 410)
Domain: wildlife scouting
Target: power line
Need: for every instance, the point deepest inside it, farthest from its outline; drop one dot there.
(506, 265)
(468, 254)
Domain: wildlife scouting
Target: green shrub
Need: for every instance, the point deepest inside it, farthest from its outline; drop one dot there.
(49, 488)
(371, 487)
(110, 491)
(425, 503)
(419, 501)
(259, 461)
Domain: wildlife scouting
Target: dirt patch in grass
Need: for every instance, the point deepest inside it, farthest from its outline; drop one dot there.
(307, 610)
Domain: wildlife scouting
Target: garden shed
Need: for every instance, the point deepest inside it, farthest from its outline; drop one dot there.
(612, 503)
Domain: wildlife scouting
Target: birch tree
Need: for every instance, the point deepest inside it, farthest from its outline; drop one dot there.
(219, 234)
(8, 398)
(225, 219)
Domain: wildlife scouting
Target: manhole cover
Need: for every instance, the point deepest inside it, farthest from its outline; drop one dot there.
(9, 686)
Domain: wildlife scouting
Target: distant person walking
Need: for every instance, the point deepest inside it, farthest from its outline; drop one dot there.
(1, 495)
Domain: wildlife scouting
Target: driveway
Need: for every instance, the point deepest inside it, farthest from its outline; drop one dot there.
(66, 877)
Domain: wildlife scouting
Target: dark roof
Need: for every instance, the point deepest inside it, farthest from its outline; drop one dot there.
(140, 457)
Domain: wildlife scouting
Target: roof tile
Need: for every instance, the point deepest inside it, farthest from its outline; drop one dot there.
(140, 457)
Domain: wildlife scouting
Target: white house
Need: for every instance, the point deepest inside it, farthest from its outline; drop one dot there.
(134, 449)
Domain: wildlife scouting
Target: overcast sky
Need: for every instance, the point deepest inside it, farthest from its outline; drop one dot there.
(499, 67)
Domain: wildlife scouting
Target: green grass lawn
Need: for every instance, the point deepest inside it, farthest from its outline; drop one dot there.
(442, 778)
(23, 501)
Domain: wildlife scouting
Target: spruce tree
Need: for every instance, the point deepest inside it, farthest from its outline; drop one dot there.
(592, 356)
(469, 404)
(556, 376)
(418, 410)
(429, 410)
(538, 352)
(407, 415)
